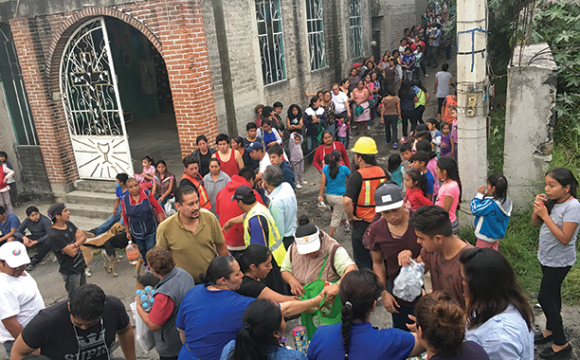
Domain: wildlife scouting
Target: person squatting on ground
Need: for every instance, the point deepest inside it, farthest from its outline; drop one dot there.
(39, 226)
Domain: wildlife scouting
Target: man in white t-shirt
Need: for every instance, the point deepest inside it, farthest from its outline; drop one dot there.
(257, 152)
(20, 299)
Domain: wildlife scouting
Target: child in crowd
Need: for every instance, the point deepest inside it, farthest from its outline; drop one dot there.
(433, 126)
(145, 179)
(294, 122)
(419, 162)
(277, 111)
(447, 141)
(10, 181)
(558, 213)
(342, 130)
(450, 192)
(269, 134)
(406, 151)
(5, 174)
(453, 112)
(426, 146)
(492, 208)
(296, 156)
(416, 185)
(258, 109)
(396, 169)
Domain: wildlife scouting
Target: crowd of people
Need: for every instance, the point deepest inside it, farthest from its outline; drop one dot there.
(231, 259)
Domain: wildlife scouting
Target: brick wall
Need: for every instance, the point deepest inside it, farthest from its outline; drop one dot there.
(176, 29)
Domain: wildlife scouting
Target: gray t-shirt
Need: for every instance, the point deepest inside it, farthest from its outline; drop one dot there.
(552, 252)
(443, 78)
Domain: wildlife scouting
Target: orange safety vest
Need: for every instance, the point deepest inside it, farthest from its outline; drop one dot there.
(203, 198)
(372, 177)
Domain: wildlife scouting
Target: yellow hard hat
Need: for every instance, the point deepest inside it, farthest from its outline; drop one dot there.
(365, 145)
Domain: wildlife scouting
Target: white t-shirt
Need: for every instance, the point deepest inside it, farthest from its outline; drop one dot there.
(265, 162)
(339, 101)
(18, 296)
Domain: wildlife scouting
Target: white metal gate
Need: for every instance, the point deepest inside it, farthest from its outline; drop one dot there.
(92, 104)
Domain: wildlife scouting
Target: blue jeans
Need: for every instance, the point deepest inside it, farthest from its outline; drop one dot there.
(145, 245)
(311, 144)
(112, 220)
(342, 140)
(332, 129)
(8, 347)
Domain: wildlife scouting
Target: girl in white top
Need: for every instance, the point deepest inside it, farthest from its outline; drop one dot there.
(558, 212)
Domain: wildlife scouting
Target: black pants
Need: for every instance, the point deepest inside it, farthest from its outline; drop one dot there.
(43, 249)
(417, 117)
(439, 104)
(362, 257)
(391, 128)
(167, 357)
(407, 116)
(550, 297)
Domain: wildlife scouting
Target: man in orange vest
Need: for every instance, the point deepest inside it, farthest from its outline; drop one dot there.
(359, 198)
(191, 177)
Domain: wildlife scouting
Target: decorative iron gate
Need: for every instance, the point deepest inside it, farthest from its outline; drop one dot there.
(92, 104)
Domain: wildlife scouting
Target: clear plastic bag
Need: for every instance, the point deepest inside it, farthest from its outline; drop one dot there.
(168, 208)
(143, 334)
(409, 283)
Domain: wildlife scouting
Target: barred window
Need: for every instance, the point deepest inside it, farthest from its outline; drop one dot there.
(271, 40)
(355, 28)
(315, 34)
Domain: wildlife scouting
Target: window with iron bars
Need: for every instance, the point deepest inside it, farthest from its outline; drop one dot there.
(314, 22)
(271, 40)
(355, 21)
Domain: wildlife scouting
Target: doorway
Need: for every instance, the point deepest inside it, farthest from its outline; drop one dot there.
(145, 96)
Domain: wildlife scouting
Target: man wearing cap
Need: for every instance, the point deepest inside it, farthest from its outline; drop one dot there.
(8, 225)
(65, 240)
(283, 205)
(359, 201)
(20, 299)
(388, 236)
(257, 152)
(260, 228)
(193, 235)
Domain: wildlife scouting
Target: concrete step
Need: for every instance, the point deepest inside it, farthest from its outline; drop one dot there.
(90, 198)
(96, 186)
(90, 211)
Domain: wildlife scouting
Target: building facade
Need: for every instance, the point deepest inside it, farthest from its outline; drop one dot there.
(101, 84)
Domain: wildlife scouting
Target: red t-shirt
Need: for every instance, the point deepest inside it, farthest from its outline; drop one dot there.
(416, 198)
(161, 310)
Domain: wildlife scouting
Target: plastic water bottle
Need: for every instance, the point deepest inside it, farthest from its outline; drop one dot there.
(132, 252)
(146, 298)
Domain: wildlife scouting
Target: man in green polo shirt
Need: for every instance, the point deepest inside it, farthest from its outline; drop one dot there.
(193, 235)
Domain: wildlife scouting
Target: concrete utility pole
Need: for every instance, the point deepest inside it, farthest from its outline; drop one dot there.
(471, 90)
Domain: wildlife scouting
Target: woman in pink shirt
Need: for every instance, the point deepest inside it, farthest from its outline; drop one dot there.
(450, 192)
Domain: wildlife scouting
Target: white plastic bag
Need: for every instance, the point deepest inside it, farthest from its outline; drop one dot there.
(408, 284)
(143, 334)
(169, 208)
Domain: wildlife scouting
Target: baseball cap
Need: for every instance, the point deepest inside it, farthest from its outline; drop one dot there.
(308, 244)
(356, 65)
(244, 194)
(388, 197)
(255, 145)
(55, 209)
(14, 253)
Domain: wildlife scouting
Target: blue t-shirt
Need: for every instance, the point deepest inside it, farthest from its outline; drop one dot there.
(366, 343)
(12, 222)
(210, 320)
(275, 353)
(430, 182)
(336, 186)
(120, 193)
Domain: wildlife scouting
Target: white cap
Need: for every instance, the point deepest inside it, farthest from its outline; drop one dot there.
(14, 253)
(308, 244)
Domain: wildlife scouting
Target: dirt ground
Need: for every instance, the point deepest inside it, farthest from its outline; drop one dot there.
(52, 287)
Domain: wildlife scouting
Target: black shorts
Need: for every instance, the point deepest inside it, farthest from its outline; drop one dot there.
(440, 104)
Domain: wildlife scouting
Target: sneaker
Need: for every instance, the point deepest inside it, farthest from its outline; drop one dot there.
(298, 186)
(395, 146)
(387, 143)
(347, 228)
(305, 182)
(426, 75)
(30, 267)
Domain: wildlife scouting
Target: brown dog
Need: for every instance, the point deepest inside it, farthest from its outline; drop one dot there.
(95, 246)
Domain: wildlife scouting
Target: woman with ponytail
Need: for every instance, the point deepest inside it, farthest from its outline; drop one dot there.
(441, 329)
(334, 176)
(261, 336)
(210, 315)
(256, 263)
(450, 192)
(355, 338)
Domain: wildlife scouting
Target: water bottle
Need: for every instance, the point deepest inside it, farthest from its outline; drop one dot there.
(146, 298)
(132, 253)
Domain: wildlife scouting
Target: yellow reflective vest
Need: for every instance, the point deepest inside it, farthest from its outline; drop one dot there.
(275, 245)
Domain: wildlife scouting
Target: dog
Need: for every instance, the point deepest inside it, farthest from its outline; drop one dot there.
(115, 238)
